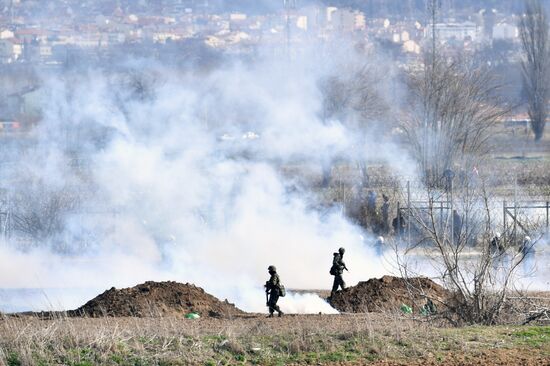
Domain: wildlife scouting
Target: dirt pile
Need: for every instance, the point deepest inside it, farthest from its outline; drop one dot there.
(388, 294)
(156, 299)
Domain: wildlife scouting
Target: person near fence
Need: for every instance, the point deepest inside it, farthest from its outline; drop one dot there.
(385, 212)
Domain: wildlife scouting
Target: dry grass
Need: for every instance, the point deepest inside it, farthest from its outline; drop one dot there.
(316, 339)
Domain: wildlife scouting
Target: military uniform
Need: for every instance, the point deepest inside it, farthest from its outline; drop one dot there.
(526, 248)
(385, 210)
(495, 246)
(272, 287)
(337, 270)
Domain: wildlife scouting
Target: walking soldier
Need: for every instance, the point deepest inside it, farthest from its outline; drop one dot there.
(273, 290)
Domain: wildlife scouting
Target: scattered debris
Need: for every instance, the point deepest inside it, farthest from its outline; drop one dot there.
(406, 309)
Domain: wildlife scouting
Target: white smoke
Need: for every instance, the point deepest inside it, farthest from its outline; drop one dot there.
(167, 198)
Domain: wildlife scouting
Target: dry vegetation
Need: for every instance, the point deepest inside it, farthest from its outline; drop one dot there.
(252, 339)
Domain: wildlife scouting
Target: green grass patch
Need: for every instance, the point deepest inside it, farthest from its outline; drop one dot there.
(13, 359)
(533, 336)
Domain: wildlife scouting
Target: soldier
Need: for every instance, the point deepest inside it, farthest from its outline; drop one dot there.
(526, 249)
(371, 203)
(496, 246)
(273, 291)
(337, 270)
(457, 226)
(379, 246)
(385, 211)
(399, 224)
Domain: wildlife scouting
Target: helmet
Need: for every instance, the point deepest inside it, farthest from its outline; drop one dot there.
(342, 250)
(272, 268)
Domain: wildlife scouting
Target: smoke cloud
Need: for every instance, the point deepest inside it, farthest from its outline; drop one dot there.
(168, 174)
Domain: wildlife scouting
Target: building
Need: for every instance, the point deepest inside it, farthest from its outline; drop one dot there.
(347, 21)
(10, 50)
(6, 34)
(454, 31)
(237, 21)
(315, 18)
(505, 31)
(411, 46)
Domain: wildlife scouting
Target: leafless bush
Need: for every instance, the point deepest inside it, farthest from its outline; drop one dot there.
(38, 211)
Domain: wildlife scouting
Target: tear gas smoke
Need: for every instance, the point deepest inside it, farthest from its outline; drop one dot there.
(180, 179)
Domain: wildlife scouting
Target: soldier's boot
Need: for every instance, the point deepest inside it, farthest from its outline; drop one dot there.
(281, 313)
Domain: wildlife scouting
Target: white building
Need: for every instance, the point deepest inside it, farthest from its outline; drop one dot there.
(85, 40)
(329, 11)
(360, 21)
(302, 22)
(454, 31)
(505, 31)
(6, 34)
(411, 46)
(237, 17)
(346, 20)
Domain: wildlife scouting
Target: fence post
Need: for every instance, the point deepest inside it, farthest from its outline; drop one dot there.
(515, 222)
(547, 209)
(504, 221)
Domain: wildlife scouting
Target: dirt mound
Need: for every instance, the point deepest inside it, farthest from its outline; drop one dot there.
(156, 299)
(388, 294)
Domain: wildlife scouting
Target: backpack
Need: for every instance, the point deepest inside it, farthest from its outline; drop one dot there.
(333, 271)
(282, 290)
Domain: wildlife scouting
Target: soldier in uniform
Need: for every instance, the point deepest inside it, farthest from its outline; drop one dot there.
(496, 246)
(528, 254)
(337, 270)
(526, 248)
(399, 224)
(457, 226)
(273, 290)
(379, 246)
(385, 211)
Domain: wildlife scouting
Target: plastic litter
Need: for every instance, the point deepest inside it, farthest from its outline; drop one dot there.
(192, 316)
(406, 309)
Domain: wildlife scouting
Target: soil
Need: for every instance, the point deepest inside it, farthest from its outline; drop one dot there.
(156, 299)
(388, 294)
(500, 357)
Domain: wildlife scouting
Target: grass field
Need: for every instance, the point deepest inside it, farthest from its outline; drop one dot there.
(377, 339)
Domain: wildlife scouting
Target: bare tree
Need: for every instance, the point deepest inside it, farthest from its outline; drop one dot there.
(454, 108)
(533, 30)
(354, 98)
